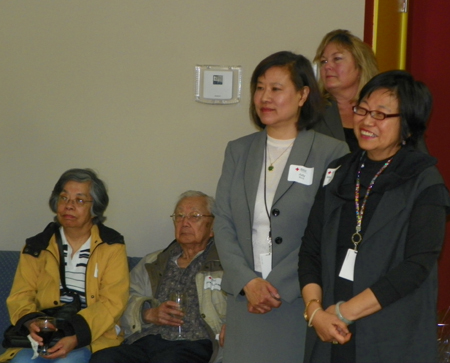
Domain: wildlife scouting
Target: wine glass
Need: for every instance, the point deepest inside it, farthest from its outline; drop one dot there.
(180, 299)
(47, 326)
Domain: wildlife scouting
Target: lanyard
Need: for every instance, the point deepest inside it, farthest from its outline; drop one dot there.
(356, 237)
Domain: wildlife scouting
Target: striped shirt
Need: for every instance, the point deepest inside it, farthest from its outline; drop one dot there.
(75, 269)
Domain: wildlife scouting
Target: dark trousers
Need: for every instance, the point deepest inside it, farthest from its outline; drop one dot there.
(154, 349)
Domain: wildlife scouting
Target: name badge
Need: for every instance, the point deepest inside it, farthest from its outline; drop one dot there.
(212, 283)
(301, 174)
(266, 264)
(348, 267)
(329, 175)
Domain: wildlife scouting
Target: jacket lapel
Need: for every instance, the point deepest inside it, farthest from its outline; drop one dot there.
(298, 156)
(253, 167)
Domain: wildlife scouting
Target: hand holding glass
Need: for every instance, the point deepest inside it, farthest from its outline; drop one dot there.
(180, 299)
(47, 326)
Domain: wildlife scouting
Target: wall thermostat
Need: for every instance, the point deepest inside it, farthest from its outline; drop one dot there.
(218, 84)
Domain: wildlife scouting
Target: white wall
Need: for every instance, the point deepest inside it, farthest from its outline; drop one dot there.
(109, 84)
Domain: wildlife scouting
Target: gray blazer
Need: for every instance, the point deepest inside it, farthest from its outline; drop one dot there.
(331, 123)
(235, 202)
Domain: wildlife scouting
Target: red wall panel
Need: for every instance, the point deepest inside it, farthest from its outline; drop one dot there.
(428, 59)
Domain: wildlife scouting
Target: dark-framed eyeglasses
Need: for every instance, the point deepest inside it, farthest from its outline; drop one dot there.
(191, 217)
(377, 115)
(79, 202)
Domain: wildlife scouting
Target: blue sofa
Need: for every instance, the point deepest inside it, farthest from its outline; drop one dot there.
(8, 265)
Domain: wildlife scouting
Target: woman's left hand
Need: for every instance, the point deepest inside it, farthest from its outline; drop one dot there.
(329, 328)
(63, 347)
(332, 310)
(262, 296)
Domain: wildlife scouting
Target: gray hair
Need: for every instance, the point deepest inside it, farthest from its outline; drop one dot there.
(97, 192)
(195, 193)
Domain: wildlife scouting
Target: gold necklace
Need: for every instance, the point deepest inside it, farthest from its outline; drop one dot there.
(271, 167)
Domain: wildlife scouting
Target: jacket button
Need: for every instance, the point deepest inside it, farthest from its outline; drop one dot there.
(203, 316)
(55, 303)
(278, 240)
(275, 212)
(92, 296)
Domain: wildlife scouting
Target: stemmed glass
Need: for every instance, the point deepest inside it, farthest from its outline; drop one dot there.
(47, 326)
(180, 299)
(444, 337)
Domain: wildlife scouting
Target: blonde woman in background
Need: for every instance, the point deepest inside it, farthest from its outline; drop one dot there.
(345, 65)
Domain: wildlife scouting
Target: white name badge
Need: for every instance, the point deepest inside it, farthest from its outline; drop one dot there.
(266, 264)
(348, 267)
(212, 283)
(301, 174)
(329, 175)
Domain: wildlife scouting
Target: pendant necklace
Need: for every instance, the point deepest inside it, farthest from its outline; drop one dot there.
(271, 167)
(356, 237)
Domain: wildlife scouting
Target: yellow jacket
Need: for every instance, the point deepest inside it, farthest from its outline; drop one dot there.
(37, 282)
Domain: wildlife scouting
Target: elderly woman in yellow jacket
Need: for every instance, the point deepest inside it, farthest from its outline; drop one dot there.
(95, 273)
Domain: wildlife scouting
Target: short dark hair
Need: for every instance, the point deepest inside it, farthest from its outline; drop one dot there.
(301, 74)
(414, 101)
(97, 191)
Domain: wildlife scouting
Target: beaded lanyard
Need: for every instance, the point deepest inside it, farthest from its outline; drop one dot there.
(356, 237)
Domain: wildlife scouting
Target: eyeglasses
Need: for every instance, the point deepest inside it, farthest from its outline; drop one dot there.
(191, 217)
(79, 202)
(377, 115)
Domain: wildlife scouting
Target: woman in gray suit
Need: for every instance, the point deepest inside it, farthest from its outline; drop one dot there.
(263, 199)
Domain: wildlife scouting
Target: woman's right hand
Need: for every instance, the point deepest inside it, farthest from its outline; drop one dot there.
(262, 296)
(168, 313)
(34, 329)
(329, 328)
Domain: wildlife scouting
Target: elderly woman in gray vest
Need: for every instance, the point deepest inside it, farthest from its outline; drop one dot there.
(368, 261)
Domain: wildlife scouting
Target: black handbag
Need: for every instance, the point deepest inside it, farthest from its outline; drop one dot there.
(15, 336)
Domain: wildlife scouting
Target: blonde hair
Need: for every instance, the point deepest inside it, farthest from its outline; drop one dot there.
(362, 54)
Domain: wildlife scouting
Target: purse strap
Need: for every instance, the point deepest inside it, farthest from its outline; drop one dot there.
(62, 272)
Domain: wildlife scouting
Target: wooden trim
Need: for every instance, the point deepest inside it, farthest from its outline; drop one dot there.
(369, 22)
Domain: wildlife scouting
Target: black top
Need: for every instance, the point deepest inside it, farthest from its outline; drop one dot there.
(425, 235)
(397, 257)
(407, 276)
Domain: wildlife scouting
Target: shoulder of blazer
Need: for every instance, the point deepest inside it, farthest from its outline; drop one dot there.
(327, 140)
(246, 141)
